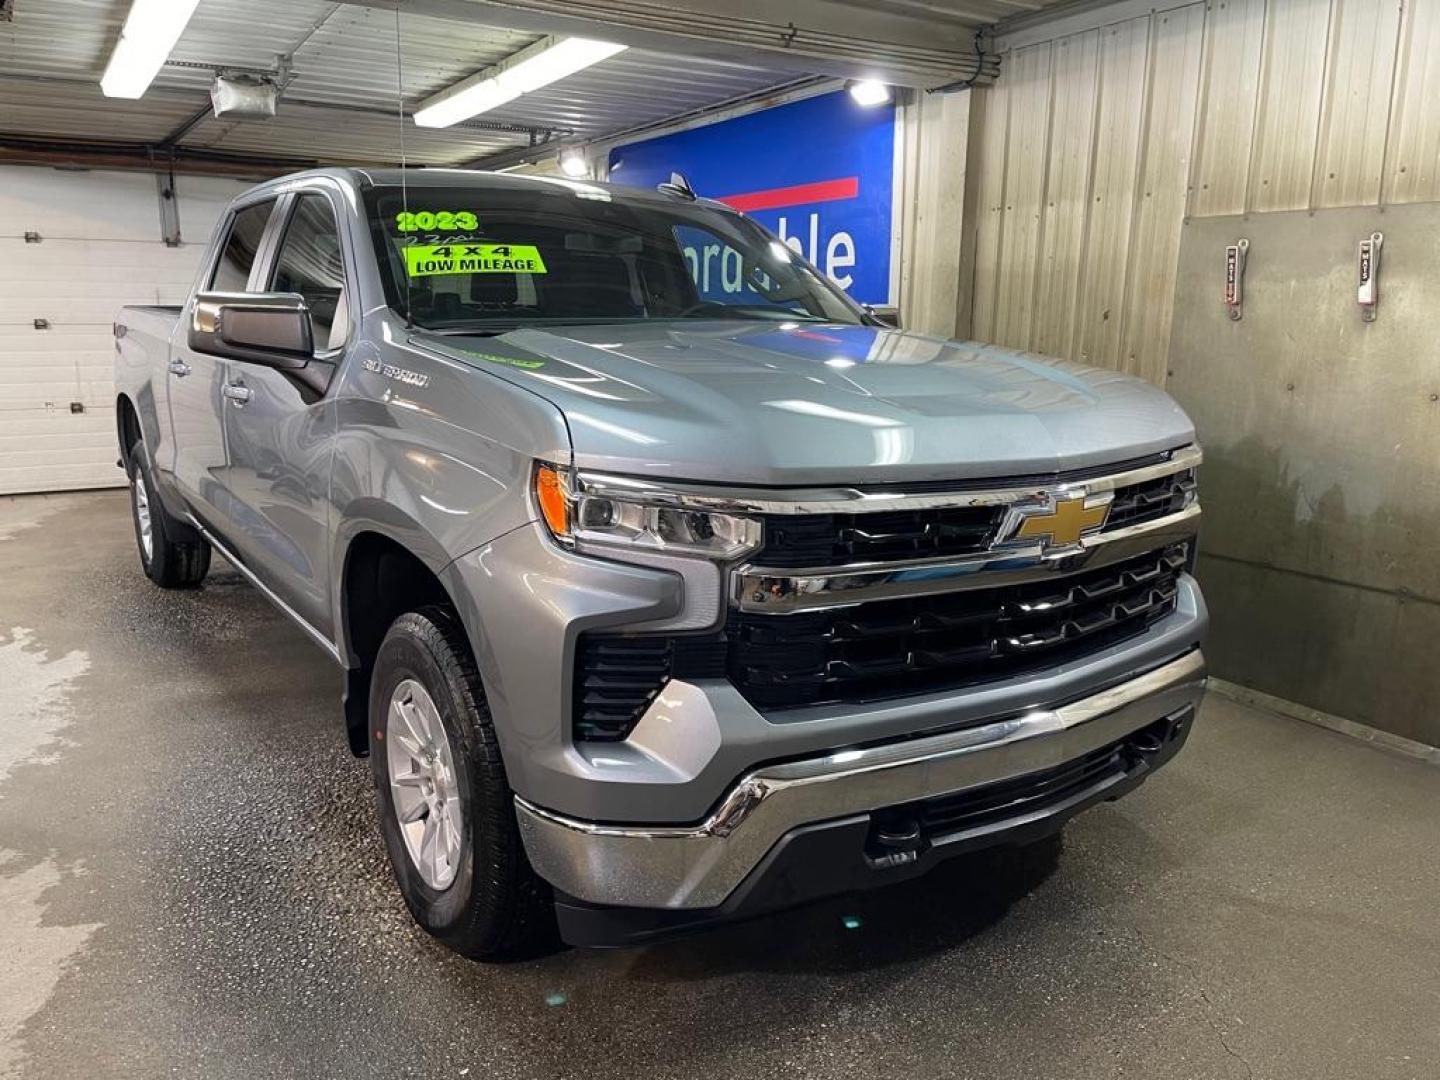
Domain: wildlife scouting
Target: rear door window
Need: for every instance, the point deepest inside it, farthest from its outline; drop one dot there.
(237, 258)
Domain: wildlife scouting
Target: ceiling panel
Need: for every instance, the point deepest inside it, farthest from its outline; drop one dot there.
(344, 138)
(75, 110)
(341, 75)
(69, 38)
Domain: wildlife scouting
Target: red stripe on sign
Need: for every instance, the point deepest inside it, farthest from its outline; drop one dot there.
(800, 194)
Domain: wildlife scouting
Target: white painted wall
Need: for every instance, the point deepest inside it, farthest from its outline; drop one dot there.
(100, 247)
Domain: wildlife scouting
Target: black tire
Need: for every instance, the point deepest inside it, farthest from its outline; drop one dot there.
(497, 907)
(179, 557)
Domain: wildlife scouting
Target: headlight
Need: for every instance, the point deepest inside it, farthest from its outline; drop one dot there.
(640, 522)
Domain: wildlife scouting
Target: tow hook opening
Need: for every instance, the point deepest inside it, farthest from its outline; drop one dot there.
(1150, 741)
(895, 839)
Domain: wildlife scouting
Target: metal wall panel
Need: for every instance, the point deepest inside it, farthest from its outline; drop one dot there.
(1105, 261)
(1175, 44)
(1412, 156)
(1287, 115)
(934, 135)
(1067, 191)
(990, 200)
(1025, 160)
(1234, 34)
(1206, 109)
(1358, 83)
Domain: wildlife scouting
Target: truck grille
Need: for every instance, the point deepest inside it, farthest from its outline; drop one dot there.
(1153, 499)
(802, 541)
(890, 648)
(882, 649)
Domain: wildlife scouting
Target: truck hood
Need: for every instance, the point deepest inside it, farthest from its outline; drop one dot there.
(804, 403)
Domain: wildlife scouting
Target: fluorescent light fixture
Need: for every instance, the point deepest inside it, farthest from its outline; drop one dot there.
(869, 92)
(150, 32)
(573, 163)
(543, 63)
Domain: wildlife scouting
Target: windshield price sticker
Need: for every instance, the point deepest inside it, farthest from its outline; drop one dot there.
(423, 260)
(436, 220)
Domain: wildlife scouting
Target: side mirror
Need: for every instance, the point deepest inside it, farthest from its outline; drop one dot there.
(272, 329)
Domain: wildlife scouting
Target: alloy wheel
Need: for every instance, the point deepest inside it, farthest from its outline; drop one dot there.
(424, 789)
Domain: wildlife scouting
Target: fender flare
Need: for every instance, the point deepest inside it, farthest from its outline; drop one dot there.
(368, 515)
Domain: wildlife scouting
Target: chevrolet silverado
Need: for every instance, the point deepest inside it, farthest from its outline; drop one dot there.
(662, 597)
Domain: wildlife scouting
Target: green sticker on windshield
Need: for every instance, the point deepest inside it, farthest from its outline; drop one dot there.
(424, 260)
(436, 220)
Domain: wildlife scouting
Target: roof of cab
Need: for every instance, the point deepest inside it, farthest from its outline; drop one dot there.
(480, 181)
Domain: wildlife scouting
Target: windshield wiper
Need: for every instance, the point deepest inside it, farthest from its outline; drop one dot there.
(474, 331)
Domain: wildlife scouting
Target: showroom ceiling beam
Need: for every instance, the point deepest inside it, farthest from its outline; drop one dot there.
(816, 37)
(543, 148)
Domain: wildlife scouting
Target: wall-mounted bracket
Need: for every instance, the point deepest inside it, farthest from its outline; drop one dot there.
(169, 209)
(1235, 277)
(1367, 295)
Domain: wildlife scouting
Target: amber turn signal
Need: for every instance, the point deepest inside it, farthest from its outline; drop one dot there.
(550, 494)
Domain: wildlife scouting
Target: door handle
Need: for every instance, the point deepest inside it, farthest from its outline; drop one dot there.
(179, 368)
(238, 394)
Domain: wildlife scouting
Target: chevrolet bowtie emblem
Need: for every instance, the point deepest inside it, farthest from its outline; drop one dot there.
(1058, 524)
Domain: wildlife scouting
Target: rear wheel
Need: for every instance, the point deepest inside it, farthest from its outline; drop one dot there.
(446, 810)
(172, 553)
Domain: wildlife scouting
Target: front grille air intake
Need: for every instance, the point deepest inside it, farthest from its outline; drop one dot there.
(890, 648)
(1151, 500)
(617, 677)
(882, 649)
(804, 540)
(808, 541)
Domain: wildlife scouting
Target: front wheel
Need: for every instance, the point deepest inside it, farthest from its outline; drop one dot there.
(446, 810)
(172, 553)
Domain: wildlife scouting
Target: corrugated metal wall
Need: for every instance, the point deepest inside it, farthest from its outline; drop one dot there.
(1096, 145)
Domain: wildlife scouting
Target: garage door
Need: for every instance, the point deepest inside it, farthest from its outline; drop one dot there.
(94, 244)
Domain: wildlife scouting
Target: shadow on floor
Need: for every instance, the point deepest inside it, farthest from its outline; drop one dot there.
(958, 900)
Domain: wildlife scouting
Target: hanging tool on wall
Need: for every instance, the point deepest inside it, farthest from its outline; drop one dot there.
(1368, 259)
(1235, 276)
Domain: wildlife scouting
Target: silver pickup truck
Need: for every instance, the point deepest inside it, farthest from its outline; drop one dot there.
(668, 585)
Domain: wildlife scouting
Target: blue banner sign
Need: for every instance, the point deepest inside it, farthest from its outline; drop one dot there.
(820, 173)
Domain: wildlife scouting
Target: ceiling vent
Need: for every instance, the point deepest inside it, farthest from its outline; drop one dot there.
(244, 95)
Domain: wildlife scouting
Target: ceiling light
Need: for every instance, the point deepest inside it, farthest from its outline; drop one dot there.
(868, 92)
(573, 163)
(150, 32)
(539, 65)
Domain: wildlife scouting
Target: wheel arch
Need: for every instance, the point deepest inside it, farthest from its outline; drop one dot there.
(127, 427)
(385, 568)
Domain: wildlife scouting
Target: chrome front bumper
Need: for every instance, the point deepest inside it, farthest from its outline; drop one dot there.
(699, 866)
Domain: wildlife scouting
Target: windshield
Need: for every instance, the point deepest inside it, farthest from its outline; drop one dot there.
(487, 258)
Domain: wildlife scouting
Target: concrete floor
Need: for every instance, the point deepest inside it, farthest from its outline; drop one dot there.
(191, 884)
